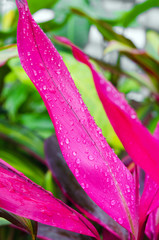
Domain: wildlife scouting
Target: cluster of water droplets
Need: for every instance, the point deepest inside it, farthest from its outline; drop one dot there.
(92, 137)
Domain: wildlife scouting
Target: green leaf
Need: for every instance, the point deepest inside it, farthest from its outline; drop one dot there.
(22, 163)
(15, 97)
(140, 57)
(3, 222)
(128, 85)
(43, 125)
(23, 137)
(152, 45)
(138, 9)
(24, 223)
(35, 5)
(8, 52)
(50, 185)
(104, 28)
(19, 73)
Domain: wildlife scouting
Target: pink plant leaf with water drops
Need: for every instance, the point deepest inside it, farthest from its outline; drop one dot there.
(21, 196)
(96, 167)
(138, 142)
(150, 197)
(73, 191)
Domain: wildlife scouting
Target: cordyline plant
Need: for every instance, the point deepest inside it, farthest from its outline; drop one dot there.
(108, 186)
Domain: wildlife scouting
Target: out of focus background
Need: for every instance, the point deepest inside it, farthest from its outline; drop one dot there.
(122, 39)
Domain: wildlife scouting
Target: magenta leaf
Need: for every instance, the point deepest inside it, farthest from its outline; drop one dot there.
(22, 197)
(149, 199)
(156, 133)
(138, 142)
(71, 188)
(150, 196)
(96, 167)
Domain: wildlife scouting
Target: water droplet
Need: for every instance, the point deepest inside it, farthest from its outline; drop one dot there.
(120, 220)
(90, 157)
(108, 89)
(96, 166)
(78, 161)
(84, 141)
(78, 140)
(35, 73)
(87, 185)
(132, 197)
(128, 188)
(113, 202)
(44, 87)
(67, 141)
(76, 172)
(58, 72)
(107, 180)
(74, 153)
(133, 116)
(41, 66)
(43, 210)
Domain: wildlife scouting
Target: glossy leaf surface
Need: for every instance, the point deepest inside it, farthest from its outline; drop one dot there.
(92, 161)
(71, 188)
(22, 197)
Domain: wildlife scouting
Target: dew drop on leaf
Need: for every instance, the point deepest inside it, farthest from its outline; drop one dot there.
(90, 157)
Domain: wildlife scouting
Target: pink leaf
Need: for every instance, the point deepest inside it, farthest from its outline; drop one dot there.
(156, 133)
(150, 196)
(21, 196)
(138, 142)
(96, 167)
(73, 191)
(149, 199)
